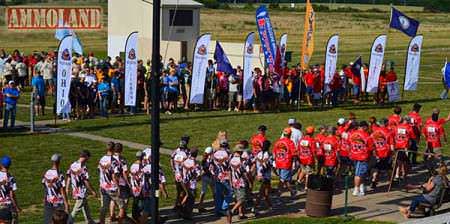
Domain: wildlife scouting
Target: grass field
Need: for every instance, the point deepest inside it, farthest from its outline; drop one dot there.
(31, 152)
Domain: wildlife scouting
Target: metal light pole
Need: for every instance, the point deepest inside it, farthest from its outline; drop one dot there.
(155, 94)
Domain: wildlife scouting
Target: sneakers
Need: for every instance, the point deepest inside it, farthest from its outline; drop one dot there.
(355, 191)
(362, 190)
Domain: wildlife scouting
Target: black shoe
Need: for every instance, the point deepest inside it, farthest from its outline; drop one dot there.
(373, 185)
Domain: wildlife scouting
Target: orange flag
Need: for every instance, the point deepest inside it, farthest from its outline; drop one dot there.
(308, 36)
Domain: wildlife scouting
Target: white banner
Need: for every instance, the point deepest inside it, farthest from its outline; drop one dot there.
(331, 56)
(131, 69)
(200, 62)
(283, 47)
(376, 62)
(413, 63)
(248, 57)
(64, 75)
(393, 90)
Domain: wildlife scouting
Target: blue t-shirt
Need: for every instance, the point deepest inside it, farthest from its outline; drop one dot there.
(12, 91)
(104, 88)
(170, 79)
(39, 83)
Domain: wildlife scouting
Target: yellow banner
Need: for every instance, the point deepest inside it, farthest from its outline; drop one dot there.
(308, 36)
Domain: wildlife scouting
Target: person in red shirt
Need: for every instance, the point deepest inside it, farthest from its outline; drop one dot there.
(306, 152)
(343, 133)
(258, 139)
(416, 125)
(319, 149)
(441, 121)
(283, 152)
(308, 79)
(383, 142)
(335, 87)
(395, 118)
(403, 133)
(360, 149)
(330, 146)
(433, 133)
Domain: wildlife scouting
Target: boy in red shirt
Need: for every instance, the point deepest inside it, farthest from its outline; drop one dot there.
(308, 79)
(283, 151)
(360, 149)
(395, 118)
(306, 152)
(330, 146)
(383, 146)
(416, 125)
(344, 146)
(258, 139)
(403, 133)
(433, 132)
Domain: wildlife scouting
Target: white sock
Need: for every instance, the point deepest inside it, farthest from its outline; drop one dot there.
(361, 188)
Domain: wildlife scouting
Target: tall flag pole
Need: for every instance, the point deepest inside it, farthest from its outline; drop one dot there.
(308, 36)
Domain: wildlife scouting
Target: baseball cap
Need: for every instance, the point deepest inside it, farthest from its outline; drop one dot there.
(208, 150)
(56, 157)
(139, 154)
(11, 82)
(5, 161)
(292, 121)
(341, 121)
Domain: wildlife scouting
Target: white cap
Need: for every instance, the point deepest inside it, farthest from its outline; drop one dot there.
(208, 150)
(11, 82)
(341, 121)
(292, 121)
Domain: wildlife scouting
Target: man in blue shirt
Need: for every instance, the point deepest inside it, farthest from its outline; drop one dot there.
(38, 84)
(103, 96)
(11, 94)
(172, 90)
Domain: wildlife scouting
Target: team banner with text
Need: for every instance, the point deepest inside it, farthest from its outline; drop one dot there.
(308, 36)
(393, 89)
(376, 62)
(267, 36)
(331, 57)
(413, 63)
(200, 62)
(283, 47)
(248, 58)
(64, 75)
(131, 69)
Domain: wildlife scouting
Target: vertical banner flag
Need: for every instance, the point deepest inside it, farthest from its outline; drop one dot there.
(393, 89)
(376, 62)
(413, 63)
(267, 36)
(200, 62)
(247, 64)
(308, 36)
(446, 74)
(131, 69)
(64, 75)
(403, 23)
(331, 55)
(222, 61)
(283, 47)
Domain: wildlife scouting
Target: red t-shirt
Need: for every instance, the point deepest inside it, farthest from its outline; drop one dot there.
(257, 143)
(440, 121)
(309, 79)
(393, 120)
(330, 147)
(383, 141)
(433, 132)
(360, 145)
(283, 151)
(319, 140)
(344, 148)
(391, 76)
(403, 133)
(306, 150)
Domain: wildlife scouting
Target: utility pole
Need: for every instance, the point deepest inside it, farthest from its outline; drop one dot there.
(155, 137)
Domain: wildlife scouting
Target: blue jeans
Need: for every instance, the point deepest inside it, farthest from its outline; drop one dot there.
(10, 110)
(223, 196)
(416, 202)
(104, 106)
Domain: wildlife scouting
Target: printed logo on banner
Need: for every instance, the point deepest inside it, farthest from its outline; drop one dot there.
(332, 49)
(404, 22)
(132, 54)
(379, 48)
(202, 50)
(65, 55)
(250, 49)
(415, 48)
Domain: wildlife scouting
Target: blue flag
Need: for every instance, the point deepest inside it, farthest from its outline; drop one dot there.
(446, 74)
(223, 64)
(267, 36)
(63, 31)
(403, 23)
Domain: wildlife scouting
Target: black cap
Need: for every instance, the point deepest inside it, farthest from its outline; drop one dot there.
(262, 128)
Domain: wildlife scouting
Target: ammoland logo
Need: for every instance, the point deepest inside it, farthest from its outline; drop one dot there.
(38, 18)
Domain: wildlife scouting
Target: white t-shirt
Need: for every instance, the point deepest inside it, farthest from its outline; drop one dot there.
(47, 70)
(232, 87)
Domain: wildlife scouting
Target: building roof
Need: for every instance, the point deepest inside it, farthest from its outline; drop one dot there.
(181, 3)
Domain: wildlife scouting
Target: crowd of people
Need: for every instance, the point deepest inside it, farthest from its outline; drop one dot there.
(97, 86)
(351, 147)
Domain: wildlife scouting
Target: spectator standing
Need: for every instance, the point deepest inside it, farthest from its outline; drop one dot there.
(103, 96)
(38, 85)
(11, 94)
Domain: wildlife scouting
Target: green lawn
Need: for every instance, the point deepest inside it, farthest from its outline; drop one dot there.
(31, 157)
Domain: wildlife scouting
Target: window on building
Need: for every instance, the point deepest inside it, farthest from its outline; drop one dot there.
(181, 18)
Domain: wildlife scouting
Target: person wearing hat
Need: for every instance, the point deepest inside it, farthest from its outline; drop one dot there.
(9, 207)
(296, 133)
(11, 94)
(360, 149)
(416, 124)
(258, 139)
(343, 131)
(176, 161)
(383, 140)
(330, 146)
(403, 133)
(284, 152)
(54, 193)
(78, 180)
(207, 179)
(306, 152)
(239, 181)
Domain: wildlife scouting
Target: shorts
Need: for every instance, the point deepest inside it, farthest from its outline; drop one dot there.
(239, 194)
(232, 96)
(40, 101)
(207, 181)
(345, 161)
(147, 203)
(5, 214)
(309, 90)
(307, 169)
(115, 197)
(383, 164)
(361, 168)
(239, 97)
(401, 156)
(171, 96)
(48, 82)
(124, 192)
(285, 175)
(330, 171)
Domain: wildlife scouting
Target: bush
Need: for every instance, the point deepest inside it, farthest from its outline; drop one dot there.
(274, 6)
(437, 6)
(224, 6)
